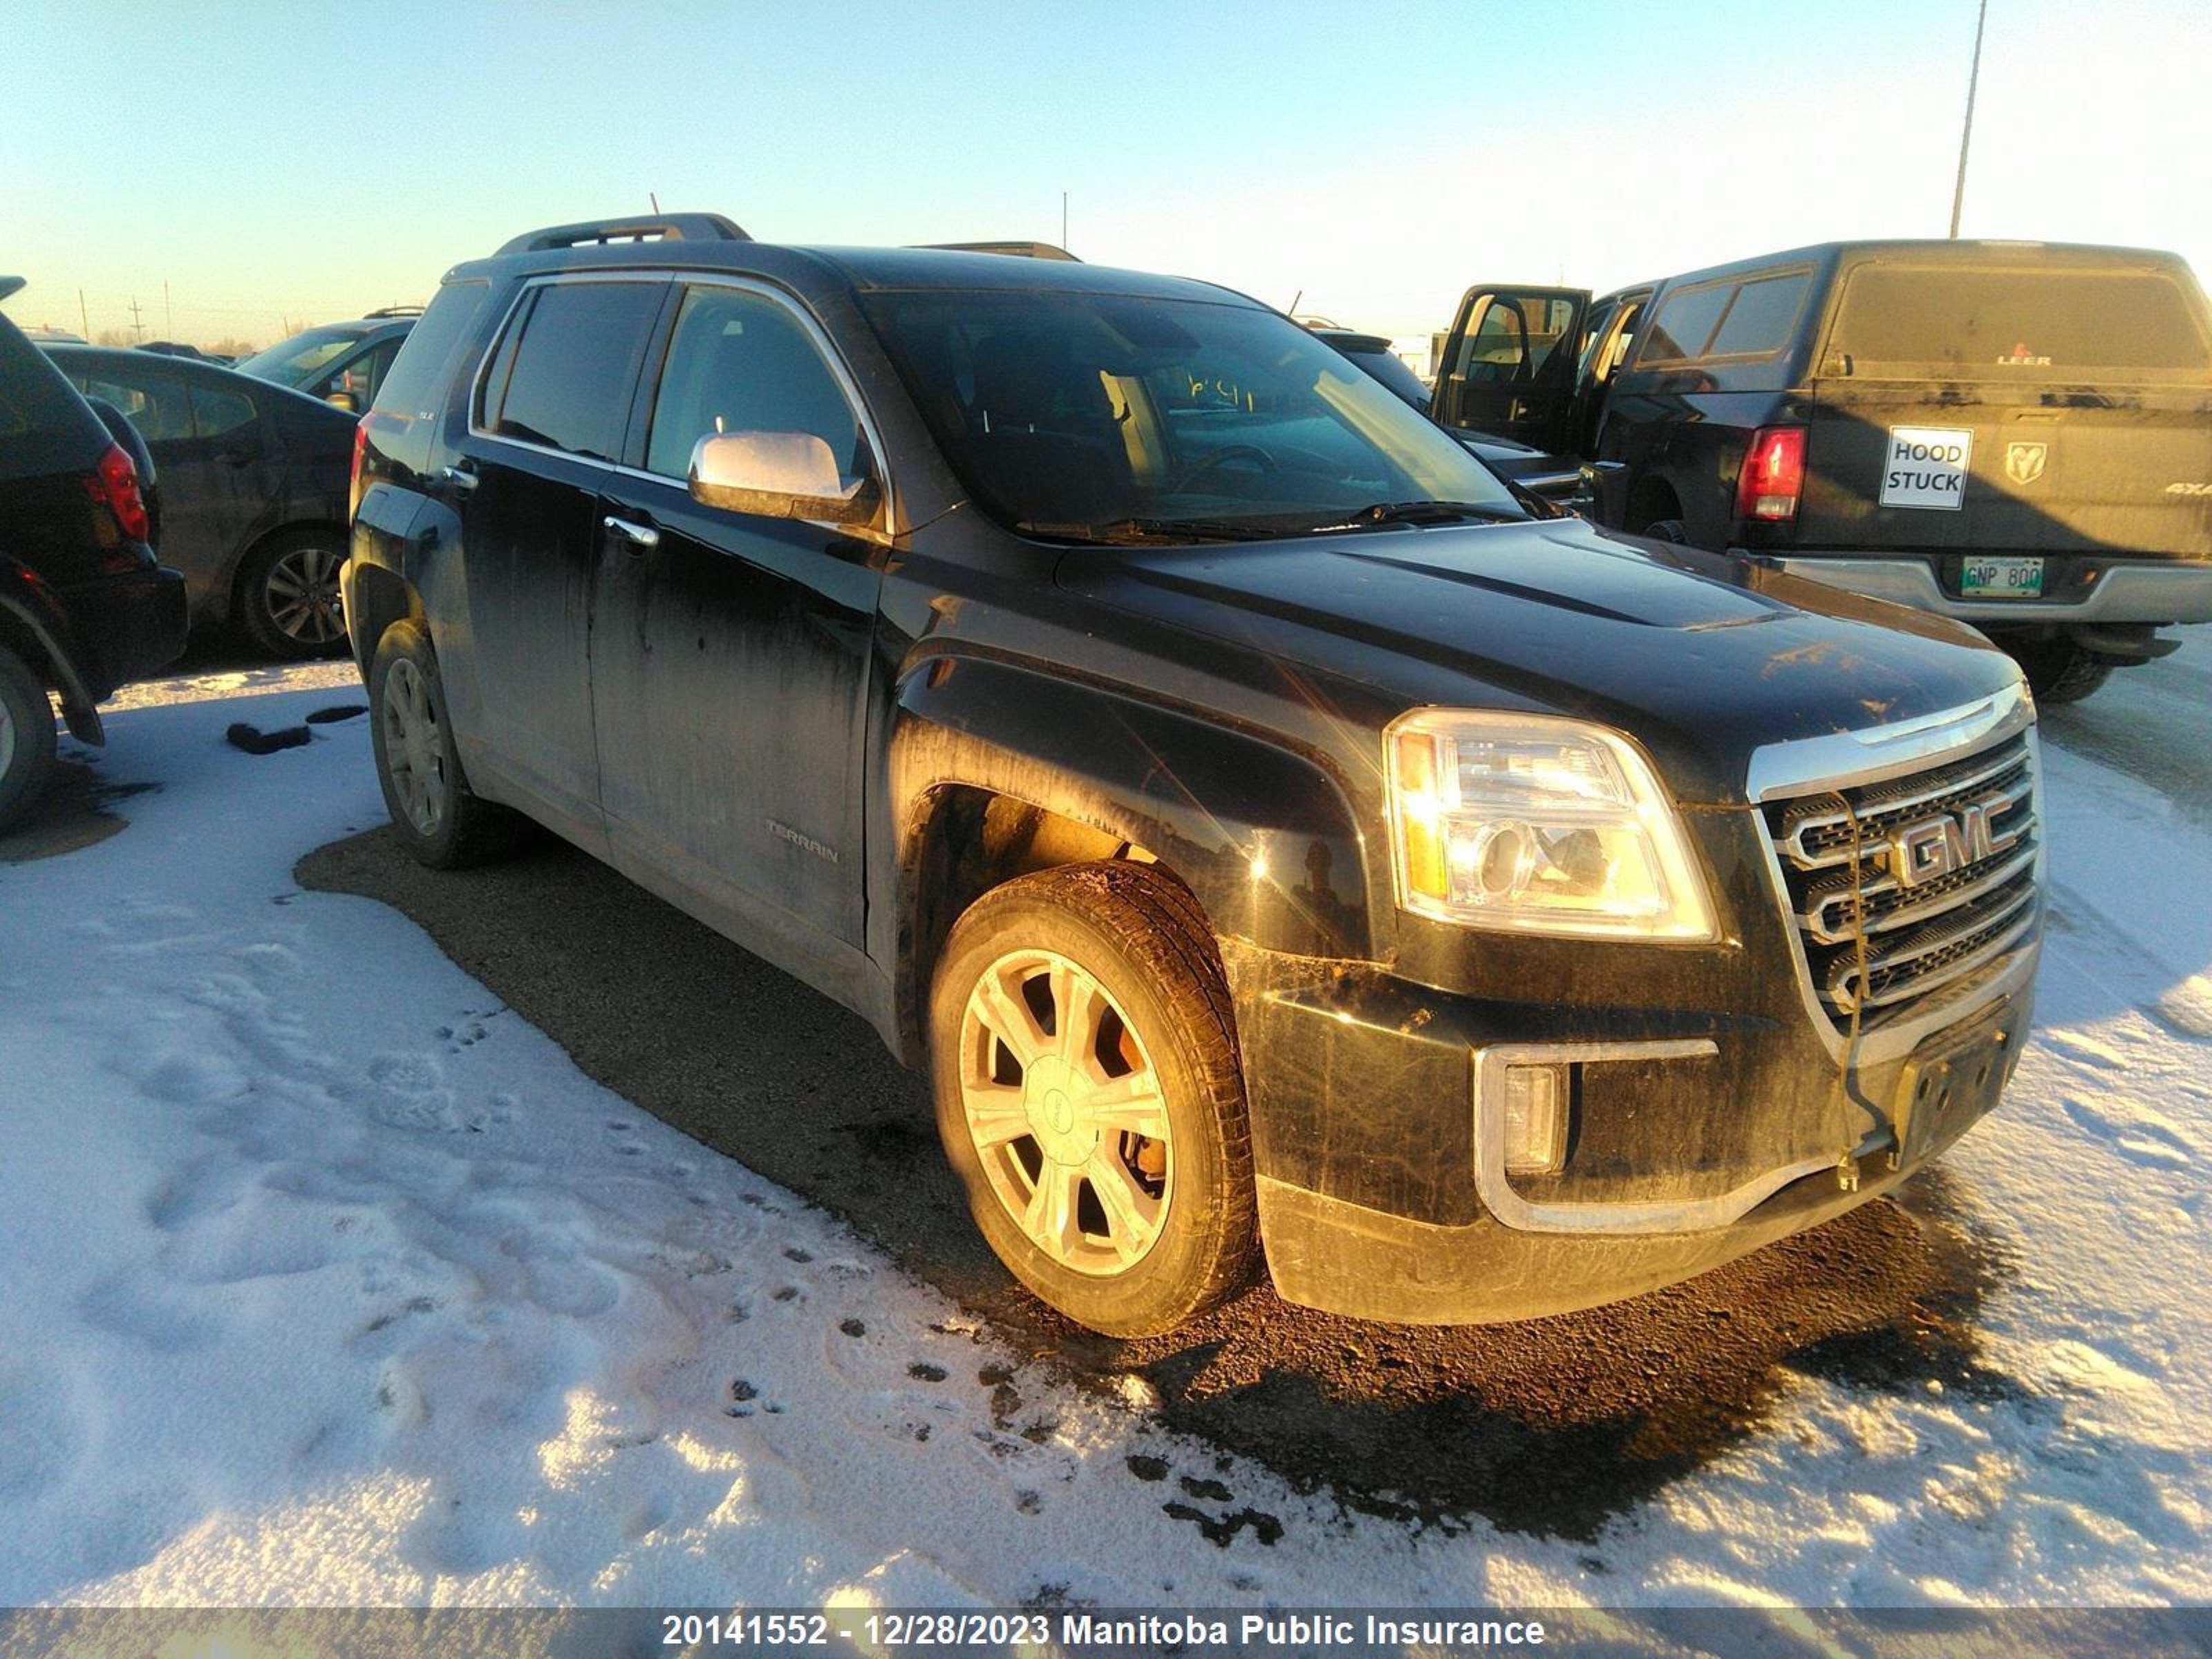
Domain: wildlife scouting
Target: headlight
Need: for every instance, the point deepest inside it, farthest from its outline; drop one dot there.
(1535, 823)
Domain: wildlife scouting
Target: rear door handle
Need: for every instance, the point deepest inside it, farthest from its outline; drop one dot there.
(639, 538)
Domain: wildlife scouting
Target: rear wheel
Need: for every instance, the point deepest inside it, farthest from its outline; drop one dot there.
(2059, 670)
(27, 740)
(287, 594)
(440, 820)
(1669, 530)
(1089, 1095)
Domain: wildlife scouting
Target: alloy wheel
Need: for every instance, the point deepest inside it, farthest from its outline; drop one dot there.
(1066, 1112)
(413, 757)
(302, 595)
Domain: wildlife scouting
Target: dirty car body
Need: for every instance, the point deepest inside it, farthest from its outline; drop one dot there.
(831, 740)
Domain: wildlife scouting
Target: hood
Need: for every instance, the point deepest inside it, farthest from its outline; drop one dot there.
(1700, 657)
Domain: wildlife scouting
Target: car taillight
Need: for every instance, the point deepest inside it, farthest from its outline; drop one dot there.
(360, 449)
(1774, 475)
(113, 483)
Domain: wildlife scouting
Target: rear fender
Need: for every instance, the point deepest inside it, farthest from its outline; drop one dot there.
(34, 625)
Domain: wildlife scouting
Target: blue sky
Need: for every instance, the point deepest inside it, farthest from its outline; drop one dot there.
(283, 161)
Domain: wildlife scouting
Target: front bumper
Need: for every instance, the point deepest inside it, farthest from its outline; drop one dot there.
(1377, 1120)
(2150, 591)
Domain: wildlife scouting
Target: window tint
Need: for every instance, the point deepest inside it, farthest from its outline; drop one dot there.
(155, 404)
(1683, 322)
(1762, 316)
(2022, 322)
(417, 374)
(1516, 336)
(569, 387)
(219, 414)
(745, 362)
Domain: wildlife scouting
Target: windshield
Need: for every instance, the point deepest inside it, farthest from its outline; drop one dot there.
(1101, 417)
(294, 361)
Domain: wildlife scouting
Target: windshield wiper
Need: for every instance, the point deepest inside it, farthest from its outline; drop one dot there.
(1131, 532)
(1380, 513)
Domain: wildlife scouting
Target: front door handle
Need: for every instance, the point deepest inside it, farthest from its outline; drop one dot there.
(639, 538)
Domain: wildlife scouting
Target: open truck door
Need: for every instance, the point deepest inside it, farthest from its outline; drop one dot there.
(1508, 367)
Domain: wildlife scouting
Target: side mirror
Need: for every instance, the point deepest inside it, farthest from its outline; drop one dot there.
(344, 400)
(777, 475)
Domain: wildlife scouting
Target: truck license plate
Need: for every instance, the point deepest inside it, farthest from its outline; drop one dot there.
(2002, 579)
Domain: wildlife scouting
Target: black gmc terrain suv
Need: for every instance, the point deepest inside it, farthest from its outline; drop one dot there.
(1268, 835)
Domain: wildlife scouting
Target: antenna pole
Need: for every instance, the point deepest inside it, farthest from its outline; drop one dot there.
(1063, 222)
(1967, 136)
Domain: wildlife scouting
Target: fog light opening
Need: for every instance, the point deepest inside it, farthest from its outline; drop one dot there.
(1536, 1099)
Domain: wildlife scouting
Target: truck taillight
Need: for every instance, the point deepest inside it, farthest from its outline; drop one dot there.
(360, 450)
(1774, 475)
(113, 483)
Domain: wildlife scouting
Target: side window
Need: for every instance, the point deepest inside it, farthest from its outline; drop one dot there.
(1683, 324)
(1498, 348)
(364, 376)
(569, 384)
(1762, 316)
(739, 362)
(226, 420)
(155, 404)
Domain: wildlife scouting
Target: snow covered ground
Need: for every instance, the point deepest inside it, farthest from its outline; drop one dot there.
(323, 1278)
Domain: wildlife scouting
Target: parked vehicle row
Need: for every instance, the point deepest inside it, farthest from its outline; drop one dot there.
(1271, 834)
(84, 608)
(2013, 435)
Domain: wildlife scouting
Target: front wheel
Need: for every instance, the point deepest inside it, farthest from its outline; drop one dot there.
(1090, 1097)
(27, 740)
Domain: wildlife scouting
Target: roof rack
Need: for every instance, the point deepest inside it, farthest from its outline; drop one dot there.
(1017, 250)
(658, 228)
(395, 311)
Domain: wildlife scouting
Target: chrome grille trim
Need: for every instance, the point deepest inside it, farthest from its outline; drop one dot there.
(1947, 937)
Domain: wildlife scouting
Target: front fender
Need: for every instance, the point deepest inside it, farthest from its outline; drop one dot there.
(1263, 835)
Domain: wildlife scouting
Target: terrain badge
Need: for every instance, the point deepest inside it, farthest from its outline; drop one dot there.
(2023, 463)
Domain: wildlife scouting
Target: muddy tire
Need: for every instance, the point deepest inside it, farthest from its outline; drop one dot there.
(436, 815)
(27, 740)
(1090, 1095)
(1669, 530)
(287, 594)
(2059, 670)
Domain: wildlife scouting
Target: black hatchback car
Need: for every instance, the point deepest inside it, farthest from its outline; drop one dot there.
(1268, 833)
(253, 490)
(84, 608)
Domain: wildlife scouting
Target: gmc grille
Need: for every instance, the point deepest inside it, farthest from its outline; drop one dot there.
(1936, 868)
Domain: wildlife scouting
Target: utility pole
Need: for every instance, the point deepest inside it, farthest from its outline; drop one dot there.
(1063, 222)
(83, 316)
(168, 312)
(137, 328)
(1966, 136)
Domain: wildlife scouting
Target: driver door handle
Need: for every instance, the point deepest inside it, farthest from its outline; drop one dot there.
(638, 538)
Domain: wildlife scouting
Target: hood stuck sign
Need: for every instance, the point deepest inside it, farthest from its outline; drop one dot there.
(1926, 467)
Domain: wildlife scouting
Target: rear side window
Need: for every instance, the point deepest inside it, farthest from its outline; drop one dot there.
(411, 390)
(1761, 318)
(567, 384)
(1684, 322)
(739, 362)
(2014, 323)
(155, 404)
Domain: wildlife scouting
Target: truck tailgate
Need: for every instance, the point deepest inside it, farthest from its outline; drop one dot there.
(1910, 467)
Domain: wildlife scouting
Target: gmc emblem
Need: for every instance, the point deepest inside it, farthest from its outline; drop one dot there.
(1934, 847)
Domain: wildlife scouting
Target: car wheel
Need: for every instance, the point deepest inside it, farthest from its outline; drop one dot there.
(2059, 670)
(1669, 530)
(439, 819)
(1090, 1097)
(27, 740)
(288, 595)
